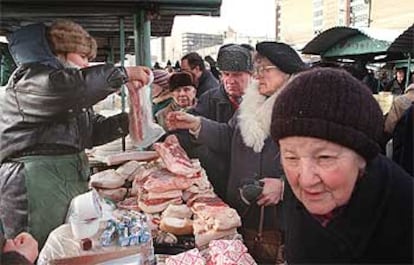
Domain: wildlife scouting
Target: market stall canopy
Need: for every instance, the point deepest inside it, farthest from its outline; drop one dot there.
(404, 42)
(101, 18)
(351, 43)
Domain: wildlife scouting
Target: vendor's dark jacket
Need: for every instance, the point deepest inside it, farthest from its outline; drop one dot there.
(42, 105)
(45, 104)
(376, 226)
(244, 164)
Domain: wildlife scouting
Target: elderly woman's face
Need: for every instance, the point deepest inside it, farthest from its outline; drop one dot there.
(322, 174)
(269, 76)
(184, 96)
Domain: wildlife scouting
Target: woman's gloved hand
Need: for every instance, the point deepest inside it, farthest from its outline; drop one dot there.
(272, 192)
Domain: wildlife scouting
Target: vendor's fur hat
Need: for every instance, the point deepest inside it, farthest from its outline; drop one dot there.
(66, 36)
(329, 104)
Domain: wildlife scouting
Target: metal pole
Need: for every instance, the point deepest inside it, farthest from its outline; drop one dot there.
(122, 58)
(110, 56)
(407, 74)
(1, 68)
(142, 35)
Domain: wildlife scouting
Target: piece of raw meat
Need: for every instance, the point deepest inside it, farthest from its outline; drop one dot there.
(161, 180)
(107, 179)
(135, 114)
(130, 155)
(175, 158)
(115, 195)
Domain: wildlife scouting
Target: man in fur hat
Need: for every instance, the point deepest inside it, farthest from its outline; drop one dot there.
(219, 104)
(47, 121)
(253, 157)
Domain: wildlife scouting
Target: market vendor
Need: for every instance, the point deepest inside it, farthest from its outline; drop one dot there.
(47, 121)
(344, 202)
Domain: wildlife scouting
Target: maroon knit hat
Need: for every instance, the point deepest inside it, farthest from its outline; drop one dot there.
(329, 104)
(161, 78)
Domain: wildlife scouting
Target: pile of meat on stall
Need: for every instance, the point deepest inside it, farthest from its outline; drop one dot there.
(174, 191)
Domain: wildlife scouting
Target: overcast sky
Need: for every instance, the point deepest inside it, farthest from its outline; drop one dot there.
(254, 18)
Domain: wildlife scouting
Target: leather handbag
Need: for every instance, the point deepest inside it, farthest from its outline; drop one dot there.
(266, 246)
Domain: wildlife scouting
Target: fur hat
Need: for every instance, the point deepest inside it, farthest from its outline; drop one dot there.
(180, 79)
(233, 57)
(329, 104)
(282, 56)
(66, 36)
(161, 78)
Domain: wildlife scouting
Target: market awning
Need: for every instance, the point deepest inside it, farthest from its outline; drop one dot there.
(352, 43)
(327, 39)
(101, 18)
(404, 42)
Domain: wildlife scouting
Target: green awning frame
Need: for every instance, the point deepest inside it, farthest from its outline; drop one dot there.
(357, 45)
(352, 43)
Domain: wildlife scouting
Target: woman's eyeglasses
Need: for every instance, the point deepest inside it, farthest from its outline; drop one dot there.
(261, 69)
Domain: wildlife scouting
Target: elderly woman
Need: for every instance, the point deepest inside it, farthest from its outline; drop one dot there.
(183, 93)
(345, 203)
(252, 154)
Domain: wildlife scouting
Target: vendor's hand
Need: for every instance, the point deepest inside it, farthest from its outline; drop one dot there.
(272, 192)
(182, 120)
(138, 76)
(133, 86)
(24, 244)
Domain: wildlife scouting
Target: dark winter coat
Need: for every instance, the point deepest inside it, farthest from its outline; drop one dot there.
(43, 105)
(376, 226)
(214, 105)
(395, 87)
(206, 82)
(46, 114)
(244, 164)
(403, 141)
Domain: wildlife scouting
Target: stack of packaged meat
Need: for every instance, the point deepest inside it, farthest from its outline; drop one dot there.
(190, 257)
(229, 252)
(220, 252)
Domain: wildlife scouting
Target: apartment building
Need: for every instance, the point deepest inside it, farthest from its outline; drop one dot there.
(298, 21)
